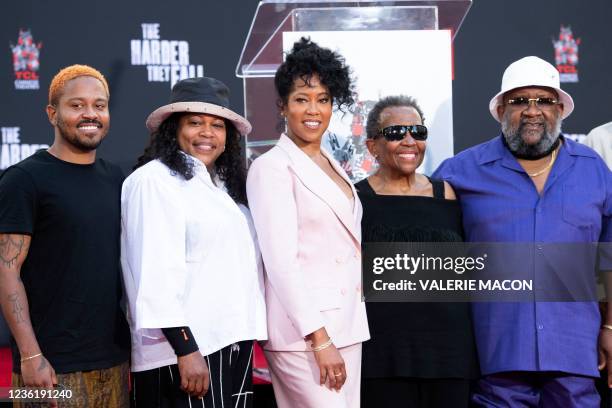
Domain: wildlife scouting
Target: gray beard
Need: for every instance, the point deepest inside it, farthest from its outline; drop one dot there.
(517, 145)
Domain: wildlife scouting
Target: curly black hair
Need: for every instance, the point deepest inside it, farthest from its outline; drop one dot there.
(307, 59)
(229, 166)
(373, 123)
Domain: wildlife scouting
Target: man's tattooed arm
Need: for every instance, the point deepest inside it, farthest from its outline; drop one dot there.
(13, 298)
(17, 308)
(36, 370)
(11, 248)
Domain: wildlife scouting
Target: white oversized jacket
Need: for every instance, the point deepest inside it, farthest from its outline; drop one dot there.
(190, 258)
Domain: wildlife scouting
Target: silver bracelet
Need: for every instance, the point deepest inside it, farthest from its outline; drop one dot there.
(606, 326)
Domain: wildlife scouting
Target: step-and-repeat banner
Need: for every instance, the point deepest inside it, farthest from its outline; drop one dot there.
(144, 47)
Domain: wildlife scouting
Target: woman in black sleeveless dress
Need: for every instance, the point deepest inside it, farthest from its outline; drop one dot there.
(420, 354)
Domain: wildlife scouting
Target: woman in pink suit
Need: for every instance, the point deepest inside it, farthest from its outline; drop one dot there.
(307, 217)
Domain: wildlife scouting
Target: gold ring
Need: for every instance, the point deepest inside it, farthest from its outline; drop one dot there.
(337, 375)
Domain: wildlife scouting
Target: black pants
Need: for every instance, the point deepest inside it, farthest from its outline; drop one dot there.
(415, 393)
(231, 382)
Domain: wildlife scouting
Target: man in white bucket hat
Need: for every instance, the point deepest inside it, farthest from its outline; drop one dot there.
(531, 185)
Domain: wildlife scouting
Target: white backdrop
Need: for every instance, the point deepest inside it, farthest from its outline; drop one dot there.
(414, 63)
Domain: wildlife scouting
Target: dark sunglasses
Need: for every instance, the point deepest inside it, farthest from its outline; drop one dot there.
(523, 102)
(398, 132)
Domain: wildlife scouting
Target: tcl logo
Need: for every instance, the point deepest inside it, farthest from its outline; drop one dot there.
(27, 75)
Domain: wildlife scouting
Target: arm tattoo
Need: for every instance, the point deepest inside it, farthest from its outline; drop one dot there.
(17, 308)
(10, 249)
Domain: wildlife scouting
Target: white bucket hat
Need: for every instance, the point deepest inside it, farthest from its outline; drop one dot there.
(531, 71)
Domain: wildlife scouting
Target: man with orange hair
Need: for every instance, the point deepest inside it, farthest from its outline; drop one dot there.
(60, 281)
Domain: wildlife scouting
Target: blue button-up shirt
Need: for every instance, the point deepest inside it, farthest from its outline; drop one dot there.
(501, 204)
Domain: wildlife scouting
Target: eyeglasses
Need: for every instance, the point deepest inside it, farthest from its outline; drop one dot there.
(541, 103)
(398, 132)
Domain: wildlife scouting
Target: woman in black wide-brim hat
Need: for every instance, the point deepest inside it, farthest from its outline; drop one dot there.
(190, 261)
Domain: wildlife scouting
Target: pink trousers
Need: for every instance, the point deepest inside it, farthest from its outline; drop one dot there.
(295, 378)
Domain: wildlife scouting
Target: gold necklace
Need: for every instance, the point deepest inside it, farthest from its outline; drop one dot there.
(548, 166)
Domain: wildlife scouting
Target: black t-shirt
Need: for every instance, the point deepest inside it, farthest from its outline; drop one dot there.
(72, 271)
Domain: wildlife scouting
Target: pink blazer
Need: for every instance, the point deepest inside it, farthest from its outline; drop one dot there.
(310, 239)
